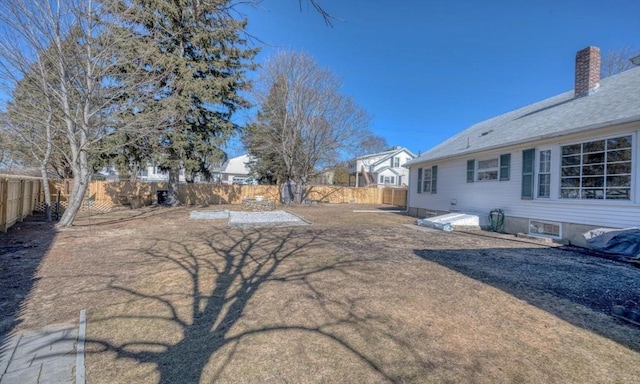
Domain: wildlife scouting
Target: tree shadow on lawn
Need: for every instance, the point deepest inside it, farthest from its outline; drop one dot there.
(86, 219)
(21, 252)
(575, 287)
(223, 273)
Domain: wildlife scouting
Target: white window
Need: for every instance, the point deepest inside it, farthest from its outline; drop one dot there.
(544, 173)
(387, 179)
(396, 162)
(488, 169)
(427, 179)
(599, 169)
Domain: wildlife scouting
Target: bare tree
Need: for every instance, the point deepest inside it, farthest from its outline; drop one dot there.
(617, 61)
(371, 144)
(304, 122)
(326, 16)
(71, 55)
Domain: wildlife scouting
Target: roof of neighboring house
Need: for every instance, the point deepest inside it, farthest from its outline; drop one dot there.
(236, 165)
(616, 101)
(393, 170)
(386, 154)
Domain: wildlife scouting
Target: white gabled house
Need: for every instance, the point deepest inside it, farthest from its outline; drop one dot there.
(383, 169)
(233, 171)
(557, 168)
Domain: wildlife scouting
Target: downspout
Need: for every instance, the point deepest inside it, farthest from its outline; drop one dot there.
(408, 190)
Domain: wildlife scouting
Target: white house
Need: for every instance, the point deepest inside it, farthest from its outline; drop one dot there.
(150, 173)
(234, 170)
(557, 168)
(381, 169)
(153, 173)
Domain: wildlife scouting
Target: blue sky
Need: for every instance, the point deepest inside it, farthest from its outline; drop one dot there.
(426, 69)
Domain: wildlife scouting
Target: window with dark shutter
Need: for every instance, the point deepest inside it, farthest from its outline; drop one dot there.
(505, 166)
(434, 178)
(471, 167)
(528, 166)
(419, 180)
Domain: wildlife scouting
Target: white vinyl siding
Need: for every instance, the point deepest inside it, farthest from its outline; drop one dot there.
(481, 198)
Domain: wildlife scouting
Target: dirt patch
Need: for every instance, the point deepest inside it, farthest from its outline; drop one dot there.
(354, 297)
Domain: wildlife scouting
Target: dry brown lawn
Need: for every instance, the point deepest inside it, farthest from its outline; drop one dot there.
(352, 298)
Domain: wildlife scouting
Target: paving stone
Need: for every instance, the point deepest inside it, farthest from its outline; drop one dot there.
(29, 349)
(6, 351)
(55, 372)
(62, 346)
(47, 336)
(40, 357)
(19, 364)
(60, 360)
(23, 376)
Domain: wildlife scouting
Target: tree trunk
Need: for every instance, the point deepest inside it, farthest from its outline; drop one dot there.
(172, 193)
(78, 191)
(80, 183)
(189, 176)
(47, 193)
(298, 192)
(43, 168)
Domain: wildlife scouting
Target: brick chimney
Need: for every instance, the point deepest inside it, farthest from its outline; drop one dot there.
(587, 71)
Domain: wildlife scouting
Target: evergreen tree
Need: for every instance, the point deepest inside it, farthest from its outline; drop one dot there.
(264, 138)
(200, 51)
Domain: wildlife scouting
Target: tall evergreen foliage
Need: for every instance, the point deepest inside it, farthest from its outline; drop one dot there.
(200, 50)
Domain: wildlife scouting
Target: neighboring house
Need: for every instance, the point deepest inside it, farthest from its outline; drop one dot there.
(150, 173)
(154, 173)
(557, 168)
(234, 170)
(383, 169)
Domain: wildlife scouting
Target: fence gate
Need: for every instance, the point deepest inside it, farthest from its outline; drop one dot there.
(394, 196)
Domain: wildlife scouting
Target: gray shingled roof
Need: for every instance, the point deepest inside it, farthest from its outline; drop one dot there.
(616, 101)
(386, 154)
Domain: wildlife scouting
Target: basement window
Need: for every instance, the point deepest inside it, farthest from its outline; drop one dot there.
(545, 228)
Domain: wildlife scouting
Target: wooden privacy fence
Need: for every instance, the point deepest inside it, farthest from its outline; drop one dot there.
(394, 196)
(103, 195)
(19, 197)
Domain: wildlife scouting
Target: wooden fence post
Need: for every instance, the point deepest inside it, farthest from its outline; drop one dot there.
(4, 189)
(21, 202)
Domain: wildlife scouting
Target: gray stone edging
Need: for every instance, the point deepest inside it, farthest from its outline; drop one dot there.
(82, 329)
